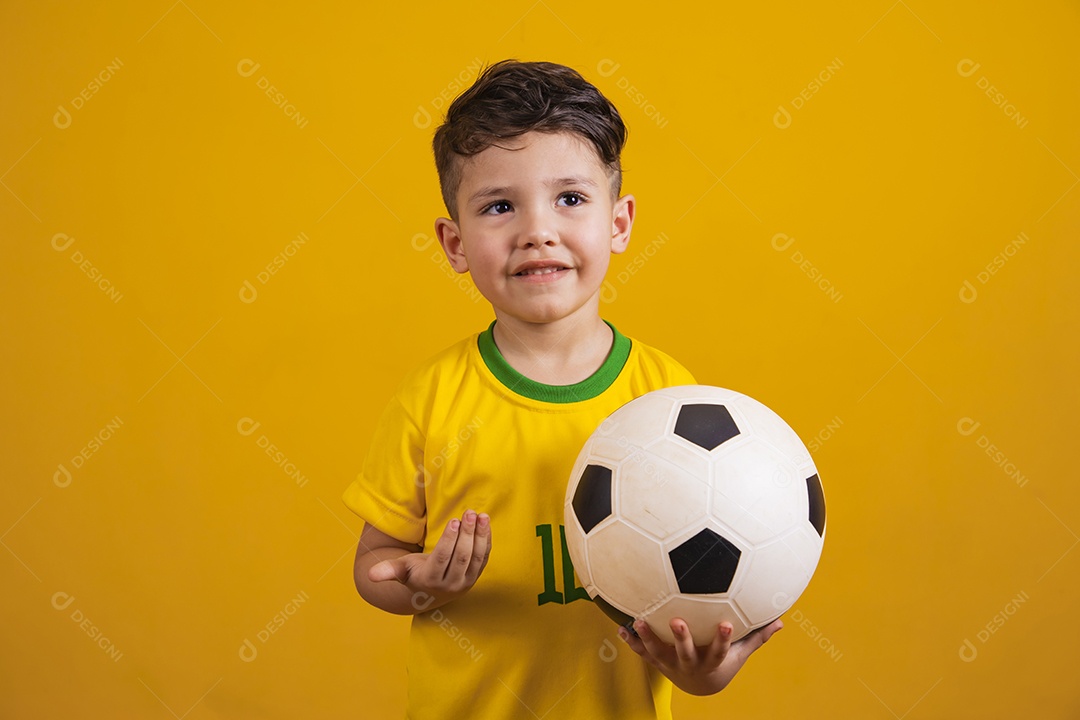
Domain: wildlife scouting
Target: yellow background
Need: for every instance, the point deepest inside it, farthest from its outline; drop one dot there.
(179, 180)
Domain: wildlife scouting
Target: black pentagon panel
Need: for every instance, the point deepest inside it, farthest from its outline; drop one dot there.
(615, 614)
(592, 498)
(705, 563)
(817, 503)
(707, 426)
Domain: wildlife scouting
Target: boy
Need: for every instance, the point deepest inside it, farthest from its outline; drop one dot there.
(528, 163)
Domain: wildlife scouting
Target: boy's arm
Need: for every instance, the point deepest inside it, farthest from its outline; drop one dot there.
(376, 546)
(397, 577)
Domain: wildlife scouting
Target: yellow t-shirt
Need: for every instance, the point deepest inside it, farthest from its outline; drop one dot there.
(467, 431)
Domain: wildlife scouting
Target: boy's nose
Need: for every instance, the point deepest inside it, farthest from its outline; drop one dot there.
(537, 232)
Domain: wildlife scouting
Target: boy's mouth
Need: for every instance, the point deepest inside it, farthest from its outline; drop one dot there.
(539, 267)
(540, 271)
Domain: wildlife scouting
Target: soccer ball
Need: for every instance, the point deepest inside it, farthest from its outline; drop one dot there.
(694, 502)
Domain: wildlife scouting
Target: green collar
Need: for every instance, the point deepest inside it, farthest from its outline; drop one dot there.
(588, 388)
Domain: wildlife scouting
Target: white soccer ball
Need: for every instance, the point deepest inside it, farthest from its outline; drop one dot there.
(694, 502)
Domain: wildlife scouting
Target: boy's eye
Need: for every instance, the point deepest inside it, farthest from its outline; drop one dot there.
(572, 199)
(497, 208)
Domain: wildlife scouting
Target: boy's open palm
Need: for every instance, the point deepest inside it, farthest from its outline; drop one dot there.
(449, 570)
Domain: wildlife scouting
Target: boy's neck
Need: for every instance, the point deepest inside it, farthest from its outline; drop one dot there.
(564, 352)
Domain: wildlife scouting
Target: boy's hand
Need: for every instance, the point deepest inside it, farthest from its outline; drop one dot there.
(703, 670)
(449, 570)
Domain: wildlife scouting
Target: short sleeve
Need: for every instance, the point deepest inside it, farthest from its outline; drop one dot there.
(682, 376)
(674, 373)
(389, 491)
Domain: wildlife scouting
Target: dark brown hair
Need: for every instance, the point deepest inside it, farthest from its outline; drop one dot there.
(511, 98)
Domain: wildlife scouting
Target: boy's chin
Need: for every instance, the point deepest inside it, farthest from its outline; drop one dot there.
(547, 316)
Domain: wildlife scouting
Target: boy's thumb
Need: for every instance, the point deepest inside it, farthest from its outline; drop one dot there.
(387, 570)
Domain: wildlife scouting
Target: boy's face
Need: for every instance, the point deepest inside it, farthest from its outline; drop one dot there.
(536, 226)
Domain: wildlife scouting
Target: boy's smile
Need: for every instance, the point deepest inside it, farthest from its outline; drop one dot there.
(536, 227)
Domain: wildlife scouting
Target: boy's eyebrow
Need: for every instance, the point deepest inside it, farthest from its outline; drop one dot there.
(492, 191)
(486, 192)
(573, 180)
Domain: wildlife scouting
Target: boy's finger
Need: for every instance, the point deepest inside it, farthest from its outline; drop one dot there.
(444, 549)
(653, 644)
(720, 646)
(459, 563)
(481, 548)
(756, 639)
(762, 635)
(637, 646)
(684, 642)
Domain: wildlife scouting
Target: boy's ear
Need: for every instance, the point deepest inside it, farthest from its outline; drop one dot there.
(622, 219)
(450, 238)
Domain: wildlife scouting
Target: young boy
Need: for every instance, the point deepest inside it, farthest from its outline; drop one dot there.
(484, 434)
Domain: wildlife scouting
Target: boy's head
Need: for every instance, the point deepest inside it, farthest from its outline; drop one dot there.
(511, 98)
(528, 159)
